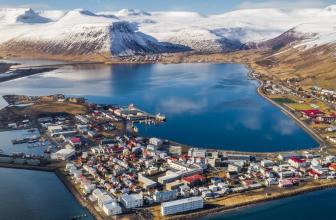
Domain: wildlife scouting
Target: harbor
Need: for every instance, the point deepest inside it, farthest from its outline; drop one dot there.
(115, 173)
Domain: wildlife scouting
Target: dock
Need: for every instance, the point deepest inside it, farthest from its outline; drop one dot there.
(136, 115)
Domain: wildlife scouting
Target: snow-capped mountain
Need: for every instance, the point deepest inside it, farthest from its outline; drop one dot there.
(130, 31)
(75, 32)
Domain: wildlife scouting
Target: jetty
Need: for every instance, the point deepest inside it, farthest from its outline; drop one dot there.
(136, 115)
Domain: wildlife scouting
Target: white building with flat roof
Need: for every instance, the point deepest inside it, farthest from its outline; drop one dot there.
(63, 154)
(131, 200)
(112, 209)
(182, 205)
(164, 196)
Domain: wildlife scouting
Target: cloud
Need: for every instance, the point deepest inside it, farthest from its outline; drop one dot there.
(285, 126)
(283, 4)
(30, 5)
(179, 106)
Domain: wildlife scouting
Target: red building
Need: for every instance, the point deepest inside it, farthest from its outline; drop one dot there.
(194, 180)
(312, 113)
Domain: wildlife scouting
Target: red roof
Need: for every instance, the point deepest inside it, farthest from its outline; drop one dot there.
(297, 160)
(313, 173)
(312, 112)
(75, 140)
(332, 166)
(194, 178)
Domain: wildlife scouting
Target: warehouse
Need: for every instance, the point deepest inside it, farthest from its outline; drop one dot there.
(182, 205)
(63, 154)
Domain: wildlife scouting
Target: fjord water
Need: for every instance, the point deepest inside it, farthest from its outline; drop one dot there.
(207, 105)
(310, 206)
(27, 194)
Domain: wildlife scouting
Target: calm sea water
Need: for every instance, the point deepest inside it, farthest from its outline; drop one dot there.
(310, 206)
(8, 148)
(35, 195)
(207, 105)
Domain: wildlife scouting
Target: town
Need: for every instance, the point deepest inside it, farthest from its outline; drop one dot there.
(115, 171)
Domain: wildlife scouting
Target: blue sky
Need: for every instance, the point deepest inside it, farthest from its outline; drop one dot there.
(203, 6)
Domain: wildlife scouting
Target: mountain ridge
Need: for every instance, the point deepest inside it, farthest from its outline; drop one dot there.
(131, 32)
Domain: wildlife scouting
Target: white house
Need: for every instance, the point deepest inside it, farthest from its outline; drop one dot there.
(112, 209)
(131, 200)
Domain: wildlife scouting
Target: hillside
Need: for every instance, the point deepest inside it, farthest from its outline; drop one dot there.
(298, 42)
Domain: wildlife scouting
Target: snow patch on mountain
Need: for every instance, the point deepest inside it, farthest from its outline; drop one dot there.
(21, 15)
(131, 31)
(316, 34)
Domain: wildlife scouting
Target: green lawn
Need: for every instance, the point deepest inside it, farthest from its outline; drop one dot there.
(299, 107)
(283, 100)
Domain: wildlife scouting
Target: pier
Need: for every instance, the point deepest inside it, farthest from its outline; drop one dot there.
(136, 115)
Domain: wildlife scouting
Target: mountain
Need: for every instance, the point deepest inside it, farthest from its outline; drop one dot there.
(21, 15)
(131, 31)
(77, 32)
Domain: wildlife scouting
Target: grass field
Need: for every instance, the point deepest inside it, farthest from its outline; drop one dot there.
(298, 106)
(283, 100)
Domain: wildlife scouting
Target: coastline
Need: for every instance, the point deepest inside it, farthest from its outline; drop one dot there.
(57, 170)
(213, 211)
(287, 112)
(223, 209)
(67, 183)
(186, 216)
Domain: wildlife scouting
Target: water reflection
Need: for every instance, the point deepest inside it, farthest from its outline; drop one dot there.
(207, 105)
(176, 105)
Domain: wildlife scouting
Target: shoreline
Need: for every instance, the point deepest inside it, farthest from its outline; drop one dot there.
(67, 184)
(25, 71)
(71, 188)
(287, 112)
(186, 216)
(212, 212)
(206, 212)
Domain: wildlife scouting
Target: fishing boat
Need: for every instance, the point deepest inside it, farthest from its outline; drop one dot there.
(160, 117)
(48, 150)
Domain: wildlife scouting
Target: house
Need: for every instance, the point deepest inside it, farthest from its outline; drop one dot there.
(271, 181)
(112, 208)
(234, 168)
(283, 183)
(75, 141)
(194, 180)
(327, 119)
(147, 183)
(156, 142)
(164, 196)
(311, 113)
(174, 185)
(105, 199)
(332, 139)
(267, 163)
(297, 163)
(332, 167)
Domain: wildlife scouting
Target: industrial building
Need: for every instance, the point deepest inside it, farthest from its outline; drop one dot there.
(63, 154)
